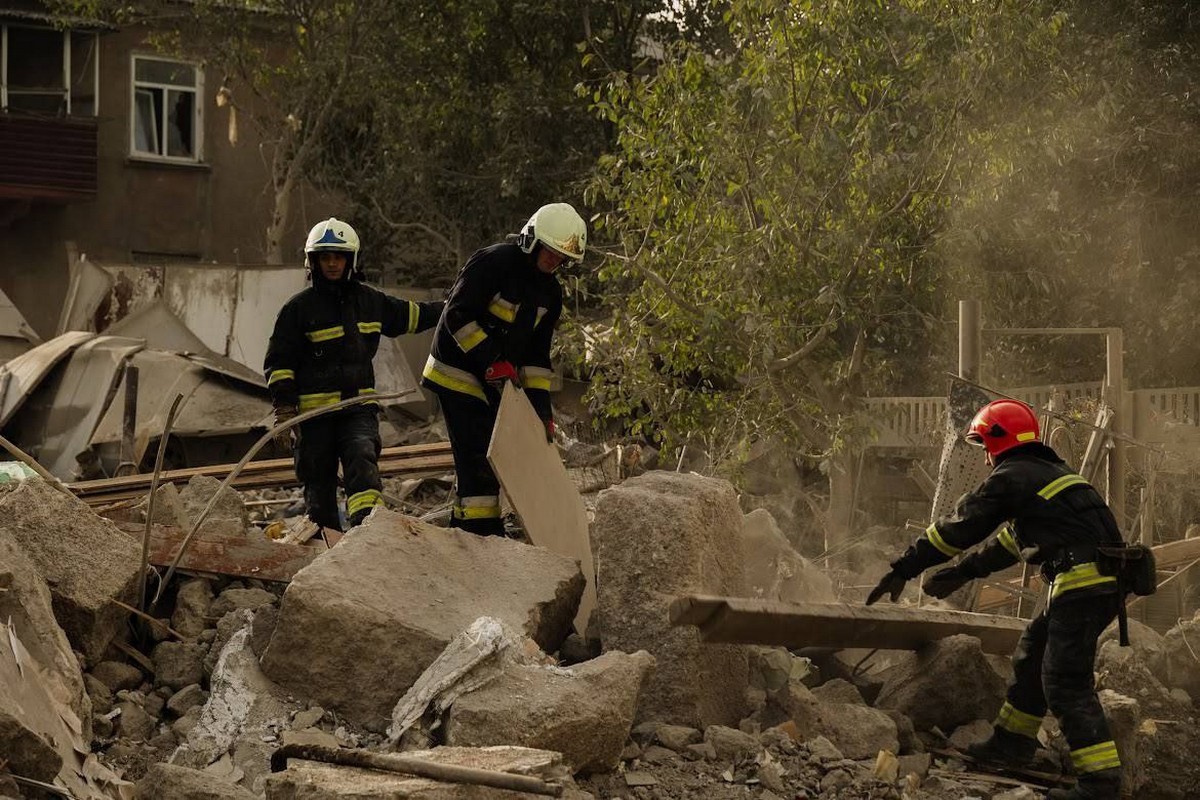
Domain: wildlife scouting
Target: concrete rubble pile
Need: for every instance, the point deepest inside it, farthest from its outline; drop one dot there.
(411, 640)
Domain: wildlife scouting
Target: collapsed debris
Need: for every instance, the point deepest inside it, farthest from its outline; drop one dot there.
(392, 625)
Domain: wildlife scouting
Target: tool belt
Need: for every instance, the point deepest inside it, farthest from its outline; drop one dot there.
(1132, 565)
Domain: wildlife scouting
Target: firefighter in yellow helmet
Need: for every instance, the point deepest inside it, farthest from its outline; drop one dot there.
(1043, 513)
(497, 326)
(321, 352)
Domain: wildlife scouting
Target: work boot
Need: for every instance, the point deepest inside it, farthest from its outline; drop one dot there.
(1004, 748)
(1102, 785)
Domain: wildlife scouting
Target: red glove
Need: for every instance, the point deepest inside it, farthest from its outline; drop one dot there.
(551, 430)
(499, 372)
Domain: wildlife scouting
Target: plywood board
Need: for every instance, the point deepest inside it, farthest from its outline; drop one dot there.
(541, 491)
(885, 626)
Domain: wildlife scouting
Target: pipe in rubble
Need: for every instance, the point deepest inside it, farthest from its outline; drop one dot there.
(387, 762)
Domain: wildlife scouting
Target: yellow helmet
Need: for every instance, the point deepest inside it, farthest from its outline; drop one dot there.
(557, 226)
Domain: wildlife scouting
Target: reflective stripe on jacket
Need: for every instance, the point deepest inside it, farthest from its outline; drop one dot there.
(326, 336)
(1031, 507)
(501, 308)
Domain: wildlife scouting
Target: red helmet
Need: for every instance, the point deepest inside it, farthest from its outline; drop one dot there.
(1002, 425)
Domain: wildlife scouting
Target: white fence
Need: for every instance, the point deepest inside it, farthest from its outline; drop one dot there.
(1168, 418)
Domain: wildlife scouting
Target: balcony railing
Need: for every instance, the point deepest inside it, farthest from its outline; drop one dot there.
(47, 159)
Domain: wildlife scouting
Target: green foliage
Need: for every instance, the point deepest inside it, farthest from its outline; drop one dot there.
(473, 126)
(774, 210)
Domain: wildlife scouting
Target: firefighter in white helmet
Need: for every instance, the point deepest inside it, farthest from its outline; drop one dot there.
(321, 352)
(497, 327)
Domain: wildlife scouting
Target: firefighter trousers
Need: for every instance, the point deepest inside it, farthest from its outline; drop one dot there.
(350, 436)
(469, 424)
(1053, 668)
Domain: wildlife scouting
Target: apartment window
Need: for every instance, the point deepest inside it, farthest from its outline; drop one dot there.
(166, 109)
(47, 71)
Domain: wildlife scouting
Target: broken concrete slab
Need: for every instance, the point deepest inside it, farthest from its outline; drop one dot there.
(1177, 665)
(178, 664)
(947, 684)
(584, 712)
(26, 752)
(243, 711)
(26, 604)
(30, 719)
(237, 599)
(309, 780)
(657, 536)
(476, 656)
(838, 690)
(772, 668)
(170, 781)
(195, 497)
(193, 602)
(1125, 671)
(774, 570)
(86, 561)
(358, 626)
(857, 731)
(1124, 717)
(117, 675)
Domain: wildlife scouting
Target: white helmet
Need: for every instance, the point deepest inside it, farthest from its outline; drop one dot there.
(332, 236)
(557, 226)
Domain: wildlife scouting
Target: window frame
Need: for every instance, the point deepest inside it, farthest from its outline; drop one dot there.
(161, 134)
(67, 33)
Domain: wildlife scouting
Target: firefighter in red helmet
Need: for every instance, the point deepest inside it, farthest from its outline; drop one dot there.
(1033, 507)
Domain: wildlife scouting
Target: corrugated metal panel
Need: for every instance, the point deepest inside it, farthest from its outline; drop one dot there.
(47, 159)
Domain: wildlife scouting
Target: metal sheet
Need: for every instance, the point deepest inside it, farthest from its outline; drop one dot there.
(23, 374)
(204, 298)
(12, 321)
(87, 288)
(261, 292)
(211, 404)
(160, 328)
(58, 426)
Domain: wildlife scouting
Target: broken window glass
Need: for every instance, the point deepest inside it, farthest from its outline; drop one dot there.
(165, 110)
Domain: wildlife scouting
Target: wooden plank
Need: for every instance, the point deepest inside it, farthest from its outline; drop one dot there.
(141, 481)
(242, 556)
(390, 465)
(740, 620)
(541, 491)
(1168, 556)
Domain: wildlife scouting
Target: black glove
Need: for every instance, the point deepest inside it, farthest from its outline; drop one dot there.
(947, 581)
(892, 583)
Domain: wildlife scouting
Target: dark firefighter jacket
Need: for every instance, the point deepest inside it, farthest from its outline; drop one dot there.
(326, 336)
(1040, 511)
(501, 308)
